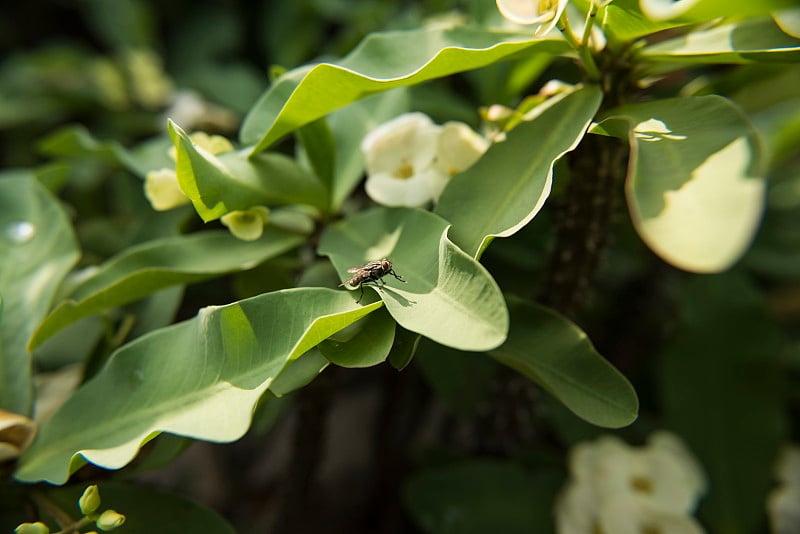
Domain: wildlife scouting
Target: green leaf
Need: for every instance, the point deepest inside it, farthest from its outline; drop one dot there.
(461, 379)
(144, 269)
(76, 141)
(382, 61)
(231, 181)
(556, 354)
(449, 297)
(37, 249)
(200, 378)
(695, 185)
(350, 125)
(703, 10)
(147, 510)
(624, 21)
(404, 348)
(481, 496)
(299, 373)
(744, 41)
(318, 149)
(507, 187)
(363, 344)
(722, 392)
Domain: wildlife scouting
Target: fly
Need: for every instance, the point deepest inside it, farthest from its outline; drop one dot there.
(371, 273)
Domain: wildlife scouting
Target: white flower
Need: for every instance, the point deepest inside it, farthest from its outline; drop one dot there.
(247, 225)
(783, 503)
(161, 186)
(399, 157)
(616, 488)
(545, 13)
(410, 160)
(458, 148)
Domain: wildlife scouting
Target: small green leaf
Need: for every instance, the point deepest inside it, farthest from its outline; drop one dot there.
(695, 186)
(744, 41)
(149, 267)
(363, 344)
(200, 378)
(448, 296)
(76, 141)
(552, 351)
(507, 187)
(381, 62)
(37, 249)
(232, 181)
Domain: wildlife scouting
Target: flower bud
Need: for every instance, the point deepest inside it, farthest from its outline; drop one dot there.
(32, 528)
(247, 225)
(90, 500)
(109, 520)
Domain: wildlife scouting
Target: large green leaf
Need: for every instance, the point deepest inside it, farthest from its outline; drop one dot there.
(702, 10)
(481, 496)
(449, 297)
(721, 382)
(556, 354)
(146, 268)
(695, 185)
(382, 61)
(200, 378)
(37, 249)
(623, 21)
(231, 181)
(738, 42)
(508, 186)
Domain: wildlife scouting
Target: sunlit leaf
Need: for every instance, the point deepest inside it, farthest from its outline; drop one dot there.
(381, 62)
(508, 186)
(146, 268)
(744, 41)
(701, 10)
(200, 378)
(37, 249)
(695, 186)
(448, 296)
(232, 181)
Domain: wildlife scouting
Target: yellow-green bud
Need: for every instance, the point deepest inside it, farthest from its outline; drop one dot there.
(32, 528)
(90, 500)
(109, 520)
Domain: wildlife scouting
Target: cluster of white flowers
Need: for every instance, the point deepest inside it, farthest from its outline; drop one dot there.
(409, 160)
(783, 503)
(619, 489)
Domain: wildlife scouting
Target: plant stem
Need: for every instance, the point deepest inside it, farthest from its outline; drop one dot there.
(582, 48)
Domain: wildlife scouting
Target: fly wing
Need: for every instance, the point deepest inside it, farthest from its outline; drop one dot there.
(353, 269)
